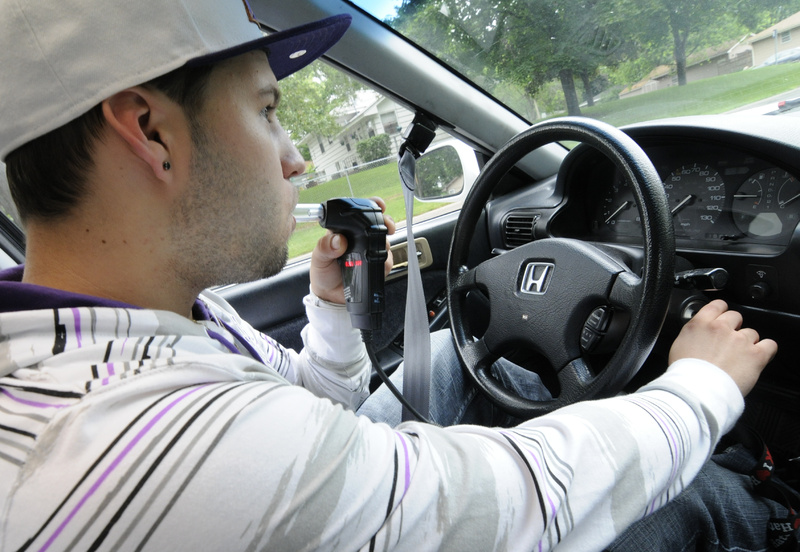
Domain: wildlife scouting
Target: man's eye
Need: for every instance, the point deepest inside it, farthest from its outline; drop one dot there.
(268, 112)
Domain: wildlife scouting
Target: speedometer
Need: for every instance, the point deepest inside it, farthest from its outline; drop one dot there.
(696, 196)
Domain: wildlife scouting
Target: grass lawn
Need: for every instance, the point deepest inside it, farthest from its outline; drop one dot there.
(708, 96)
(382, 181)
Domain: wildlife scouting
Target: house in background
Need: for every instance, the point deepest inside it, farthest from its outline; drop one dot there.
(711, 62)
(750, 51)
(783, 36)
(371, 114)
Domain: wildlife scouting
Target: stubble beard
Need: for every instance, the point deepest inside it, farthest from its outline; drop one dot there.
(223, 239)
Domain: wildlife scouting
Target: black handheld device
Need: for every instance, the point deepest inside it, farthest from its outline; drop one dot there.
(362, 265)
(361, 222)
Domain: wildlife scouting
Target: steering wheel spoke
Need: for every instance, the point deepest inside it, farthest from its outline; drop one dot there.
(477, 354)
(575, 378)
(626, 291)
(467, 280)
(542, 295)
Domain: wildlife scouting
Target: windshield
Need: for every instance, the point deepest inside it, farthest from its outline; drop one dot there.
(622, 61)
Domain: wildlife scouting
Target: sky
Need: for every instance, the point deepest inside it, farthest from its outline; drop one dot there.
(379, 8)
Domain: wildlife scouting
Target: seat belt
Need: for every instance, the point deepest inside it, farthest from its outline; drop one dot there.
(417, 337)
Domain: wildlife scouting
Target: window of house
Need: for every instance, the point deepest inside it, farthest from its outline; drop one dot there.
(389, 122)
(786, 36)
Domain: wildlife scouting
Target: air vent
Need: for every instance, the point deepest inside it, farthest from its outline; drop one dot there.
(518, 229)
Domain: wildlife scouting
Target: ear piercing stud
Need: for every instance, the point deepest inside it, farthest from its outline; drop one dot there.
(166, 166)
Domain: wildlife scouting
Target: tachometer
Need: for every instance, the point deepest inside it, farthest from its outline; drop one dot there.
(696, 196)
(618, 209)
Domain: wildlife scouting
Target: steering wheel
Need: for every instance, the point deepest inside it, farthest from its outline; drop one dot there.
(548, 294)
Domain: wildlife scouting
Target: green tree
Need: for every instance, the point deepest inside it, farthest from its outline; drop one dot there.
(311, 98)
(686, 26)
(528, 42)
(376, 147)
(305, 151)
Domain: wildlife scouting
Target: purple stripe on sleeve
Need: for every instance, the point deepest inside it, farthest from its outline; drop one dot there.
(666, 427)
(121, 456)
(77, 316)
(246, 344)
(546, 492)
(32, 403)
(408, 464)
(228, 345)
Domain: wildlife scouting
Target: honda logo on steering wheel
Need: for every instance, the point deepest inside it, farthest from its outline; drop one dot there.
(536, 278)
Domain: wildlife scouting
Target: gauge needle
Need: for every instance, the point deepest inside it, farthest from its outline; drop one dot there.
(618, 211)
(788, 201)
(746, 196)
(684, 202)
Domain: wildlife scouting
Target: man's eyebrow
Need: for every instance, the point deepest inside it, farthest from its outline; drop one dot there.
(271, 90)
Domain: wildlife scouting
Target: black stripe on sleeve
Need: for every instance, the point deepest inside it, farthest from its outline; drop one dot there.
(145, 353)
(109, 347)
(43, 391)
(217, 438)
(391, 500)
(18, 431)
(542, 506)
(121, 510)
(94, 465)
(60, 330)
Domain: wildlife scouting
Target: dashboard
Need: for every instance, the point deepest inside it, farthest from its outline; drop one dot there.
(733, 188)
(732, 185)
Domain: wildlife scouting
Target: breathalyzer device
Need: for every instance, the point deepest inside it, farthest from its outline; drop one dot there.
(362, 265)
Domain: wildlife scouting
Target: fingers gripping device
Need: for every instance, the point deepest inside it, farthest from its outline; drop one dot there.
(362, 265)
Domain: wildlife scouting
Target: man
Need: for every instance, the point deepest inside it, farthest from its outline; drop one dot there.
(137, 411)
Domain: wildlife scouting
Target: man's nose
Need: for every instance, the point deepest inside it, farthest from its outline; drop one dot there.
(292, 161)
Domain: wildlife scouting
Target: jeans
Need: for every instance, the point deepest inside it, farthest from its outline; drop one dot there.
(717, 512)
(454, 400)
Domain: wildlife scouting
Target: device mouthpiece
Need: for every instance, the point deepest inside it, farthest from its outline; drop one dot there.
(308, 212)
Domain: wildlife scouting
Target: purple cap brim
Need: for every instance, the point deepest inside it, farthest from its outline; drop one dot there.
(292, 49)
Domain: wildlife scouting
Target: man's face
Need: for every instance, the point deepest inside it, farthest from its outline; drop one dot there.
(234, 219)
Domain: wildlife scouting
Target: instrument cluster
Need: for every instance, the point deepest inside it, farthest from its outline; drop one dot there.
(714, 194)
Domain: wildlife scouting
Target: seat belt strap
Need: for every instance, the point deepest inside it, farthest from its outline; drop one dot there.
(417, 337)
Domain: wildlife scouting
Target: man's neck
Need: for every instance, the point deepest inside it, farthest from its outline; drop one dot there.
(117, 273)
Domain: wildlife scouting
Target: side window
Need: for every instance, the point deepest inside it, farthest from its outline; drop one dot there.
(7, 207)
(9, 212)
(363, 130)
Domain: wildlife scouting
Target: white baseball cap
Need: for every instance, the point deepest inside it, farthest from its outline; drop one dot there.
(60, 58)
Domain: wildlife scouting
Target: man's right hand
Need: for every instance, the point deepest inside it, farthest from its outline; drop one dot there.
(715, 334)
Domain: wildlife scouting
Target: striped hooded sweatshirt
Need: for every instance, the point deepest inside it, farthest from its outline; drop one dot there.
(132, 429)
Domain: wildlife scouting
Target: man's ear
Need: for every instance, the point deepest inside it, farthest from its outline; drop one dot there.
(137, 115)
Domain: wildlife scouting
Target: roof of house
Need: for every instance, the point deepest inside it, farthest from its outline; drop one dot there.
(791, 22)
